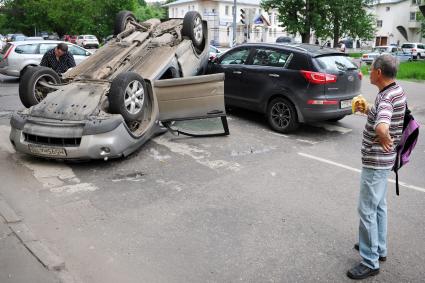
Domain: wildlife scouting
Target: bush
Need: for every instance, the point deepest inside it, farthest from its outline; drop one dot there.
(355, 55)
(407, 71)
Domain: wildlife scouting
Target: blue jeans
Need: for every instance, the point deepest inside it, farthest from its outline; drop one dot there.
(372, 209)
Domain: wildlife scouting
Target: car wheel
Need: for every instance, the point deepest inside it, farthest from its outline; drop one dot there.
(31, 92)
(193, 28)
(122, 20)
(282, 116)
(127, 96)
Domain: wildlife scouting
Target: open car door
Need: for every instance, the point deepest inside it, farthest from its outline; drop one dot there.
(193, 106)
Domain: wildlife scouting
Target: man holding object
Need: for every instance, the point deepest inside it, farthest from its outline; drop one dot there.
(381, 135)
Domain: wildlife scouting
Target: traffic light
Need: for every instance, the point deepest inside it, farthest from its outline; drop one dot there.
(243, 16)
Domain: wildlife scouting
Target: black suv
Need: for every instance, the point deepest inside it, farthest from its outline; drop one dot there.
(289, 83)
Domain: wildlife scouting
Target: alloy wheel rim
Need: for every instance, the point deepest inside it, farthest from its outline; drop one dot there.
(39, 91)
(281, 115)
(198, 30)
(134, 97)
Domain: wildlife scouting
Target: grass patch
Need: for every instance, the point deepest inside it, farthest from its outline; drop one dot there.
(355, 55)
(407, 71)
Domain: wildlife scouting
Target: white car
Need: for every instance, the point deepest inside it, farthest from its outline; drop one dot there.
(16, 57)
(387, 49)
(416, 49)
(88, 41)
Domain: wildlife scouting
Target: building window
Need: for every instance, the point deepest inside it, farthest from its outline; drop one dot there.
(227, 10)
(379, 23)
(412, 16)
(387, 9)
(213, 10)
(414, 2)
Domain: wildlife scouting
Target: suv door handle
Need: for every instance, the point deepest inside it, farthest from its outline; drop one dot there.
(237, 72)
(274, 75)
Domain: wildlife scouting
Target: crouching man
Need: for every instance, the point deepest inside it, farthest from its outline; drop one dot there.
(58, 59)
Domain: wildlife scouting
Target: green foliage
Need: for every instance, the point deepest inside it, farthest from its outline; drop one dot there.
(64, 17)
(407, 70)
(143, 13)
(421, 19)
(355, 55)
(327, 18)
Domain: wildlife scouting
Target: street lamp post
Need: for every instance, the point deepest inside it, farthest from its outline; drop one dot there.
(234, 23)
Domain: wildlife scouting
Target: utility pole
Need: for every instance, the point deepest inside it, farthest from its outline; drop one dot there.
(234, 23)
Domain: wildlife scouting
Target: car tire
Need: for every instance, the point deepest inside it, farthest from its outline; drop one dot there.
(127, 96)
(282, 116)
(121, 21)
(30, 92)
(193, 29)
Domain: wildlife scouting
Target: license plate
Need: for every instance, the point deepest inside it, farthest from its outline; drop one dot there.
(47, 151)
(345, 103)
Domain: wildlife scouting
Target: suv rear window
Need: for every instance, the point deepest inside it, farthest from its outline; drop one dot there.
(335, 63)
(408, 46)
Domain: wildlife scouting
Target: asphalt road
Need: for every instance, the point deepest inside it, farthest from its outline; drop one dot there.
(255, 206)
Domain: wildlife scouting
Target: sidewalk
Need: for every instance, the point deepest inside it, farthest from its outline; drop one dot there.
(17, 264)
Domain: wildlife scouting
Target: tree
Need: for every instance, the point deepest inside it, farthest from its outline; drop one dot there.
(298, 16)
(64, 17)
(327, 18)
(346, 18)
(146, 12)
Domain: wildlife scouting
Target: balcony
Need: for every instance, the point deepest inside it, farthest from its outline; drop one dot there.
(414, 25)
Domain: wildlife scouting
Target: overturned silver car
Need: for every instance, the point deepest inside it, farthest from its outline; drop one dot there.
(130, 90)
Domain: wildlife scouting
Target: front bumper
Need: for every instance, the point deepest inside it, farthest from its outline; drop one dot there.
(94, 142)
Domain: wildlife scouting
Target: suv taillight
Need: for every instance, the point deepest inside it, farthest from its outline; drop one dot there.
(318, 78)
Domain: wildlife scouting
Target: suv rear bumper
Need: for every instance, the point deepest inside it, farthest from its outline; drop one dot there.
(324, 112)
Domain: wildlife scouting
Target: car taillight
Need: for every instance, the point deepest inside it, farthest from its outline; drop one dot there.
(8, 52)
(322, 102)
(318, 78)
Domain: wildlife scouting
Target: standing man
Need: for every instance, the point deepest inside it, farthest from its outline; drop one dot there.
(342, 46)
(58, 58)
(381, 135)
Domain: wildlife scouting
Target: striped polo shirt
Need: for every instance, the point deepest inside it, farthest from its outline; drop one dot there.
(389, 108)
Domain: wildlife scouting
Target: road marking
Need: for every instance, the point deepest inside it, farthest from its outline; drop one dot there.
(252, 151)
(276, 134)
(332, 128)
(308, 141)
(71, 189)
(58, 177)
(199, 155)
(416, 188)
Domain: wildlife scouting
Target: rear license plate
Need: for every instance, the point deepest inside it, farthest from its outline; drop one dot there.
(47, 151)
(345, 103)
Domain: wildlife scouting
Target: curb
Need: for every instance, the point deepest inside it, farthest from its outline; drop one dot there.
(40, 251)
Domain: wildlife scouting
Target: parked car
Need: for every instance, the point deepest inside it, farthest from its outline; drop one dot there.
(88, 41)
(70, 38)
(44, 34)
(32, 38)
(284, 40)
(393, 50)
(416, 49)
(117, 99)
(17, 57)
(53, 36)
(290, 84)
(214, 52)
(18, 37)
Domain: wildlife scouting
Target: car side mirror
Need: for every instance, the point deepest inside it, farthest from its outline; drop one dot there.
(88, 53)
